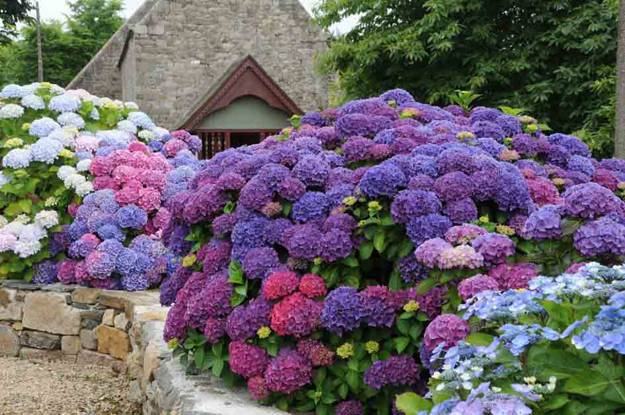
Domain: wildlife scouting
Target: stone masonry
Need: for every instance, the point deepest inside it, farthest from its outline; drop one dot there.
(117, 329)
(171, 53)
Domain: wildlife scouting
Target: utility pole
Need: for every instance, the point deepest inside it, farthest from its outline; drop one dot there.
(39, 50)
(619, 130)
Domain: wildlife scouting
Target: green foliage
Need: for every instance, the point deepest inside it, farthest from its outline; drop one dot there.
(66, 47)
(556, 59)
(12, 12)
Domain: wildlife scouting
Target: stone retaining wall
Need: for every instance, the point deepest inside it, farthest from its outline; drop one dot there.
(118, 329)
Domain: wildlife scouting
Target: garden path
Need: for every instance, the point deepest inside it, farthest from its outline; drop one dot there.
(58, 387)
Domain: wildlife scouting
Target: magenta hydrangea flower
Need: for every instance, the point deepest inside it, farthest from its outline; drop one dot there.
(447, 329)
(257, 387)
(296, 315)
(247, 360)
(288, 372)
(349, 408)
(513, 276)
(476, 284)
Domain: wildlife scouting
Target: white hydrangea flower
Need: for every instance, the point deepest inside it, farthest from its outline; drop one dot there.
(7, 242)
(26, 248)
(131, 105)
(32, 232)
(146, 135)
(13, 228)
(47, 218)
(11, 111)
(160, 132)
(84, 189)
(3, 222)
(74, 180)
(65, 171)
(83, 165)
(127, 126)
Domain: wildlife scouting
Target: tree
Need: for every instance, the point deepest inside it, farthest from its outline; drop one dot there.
(12, 12)
(91, 24)
(619, 137)
(549, 57)
(66, 48)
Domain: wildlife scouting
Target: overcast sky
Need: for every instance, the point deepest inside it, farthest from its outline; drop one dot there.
(56, 9)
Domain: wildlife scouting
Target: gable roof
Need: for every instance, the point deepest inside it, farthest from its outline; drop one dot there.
(245, 77)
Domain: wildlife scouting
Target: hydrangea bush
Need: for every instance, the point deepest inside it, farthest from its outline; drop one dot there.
(48, 138)
(114, 241)
(315, 259)
(556, 348)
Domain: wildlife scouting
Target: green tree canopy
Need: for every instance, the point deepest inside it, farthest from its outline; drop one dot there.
(556, 59)
(12, 12)
(66, 47)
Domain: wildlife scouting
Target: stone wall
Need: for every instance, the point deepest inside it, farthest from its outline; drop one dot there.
(118, 329)
(179, 50)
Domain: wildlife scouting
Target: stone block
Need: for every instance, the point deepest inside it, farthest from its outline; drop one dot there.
(85, 295)
(121, 322)
(40, 354)
(10, 306)
(40, 340)
(9, 342)
(88, 339)
(150, 313)
(88, 357)
(17, 326)
(108, 318)
(151, 361)
(49, 311)
(70, 345)
(113, 341)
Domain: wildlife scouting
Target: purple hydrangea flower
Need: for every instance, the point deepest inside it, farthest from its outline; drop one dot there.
(544, 223)
(382, 180)
(342, 310)
(394, 371)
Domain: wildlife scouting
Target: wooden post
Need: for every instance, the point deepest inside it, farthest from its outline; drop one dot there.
(39, 49)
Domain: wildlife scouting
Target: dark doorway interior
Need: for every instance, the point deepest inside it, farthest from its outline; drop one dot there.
(238, 139)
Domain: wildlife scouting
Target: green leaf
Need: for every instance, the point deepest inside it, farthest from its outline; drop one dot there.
(365, 250)
(479, 339)
(379, 240)
(401, 343)
(589, 383)
(556, 402)
(218, 367)
(411, 404)
(350, 261)
(199, 358)
(235, 273)
(426, 285)
(353, 380)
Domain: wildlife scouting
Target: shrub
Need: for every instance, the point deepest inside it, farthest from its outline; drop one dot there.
(349, 232)
(558, 350)
(48, 137)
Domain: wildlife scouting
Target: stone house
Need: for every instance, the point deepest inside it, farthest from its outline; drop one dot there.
(231, 71)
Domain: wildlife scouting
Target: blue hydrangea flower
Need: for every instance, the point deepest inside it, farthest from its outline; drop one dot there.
(43, 127)
(71, 119)
(46, 150)
(18, 158)
(131, 216)
(33, 101)
(64, 103)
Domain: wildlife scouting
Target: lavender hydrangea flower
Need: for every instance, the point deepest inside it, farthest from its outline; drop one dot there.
(545, 223)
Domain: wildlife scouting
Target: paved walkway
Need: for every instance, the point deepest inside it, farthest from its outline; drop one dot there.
(61, 388)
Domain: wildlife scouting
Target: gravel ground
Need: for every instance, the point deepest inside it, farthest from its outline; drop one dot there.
(61, 388)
